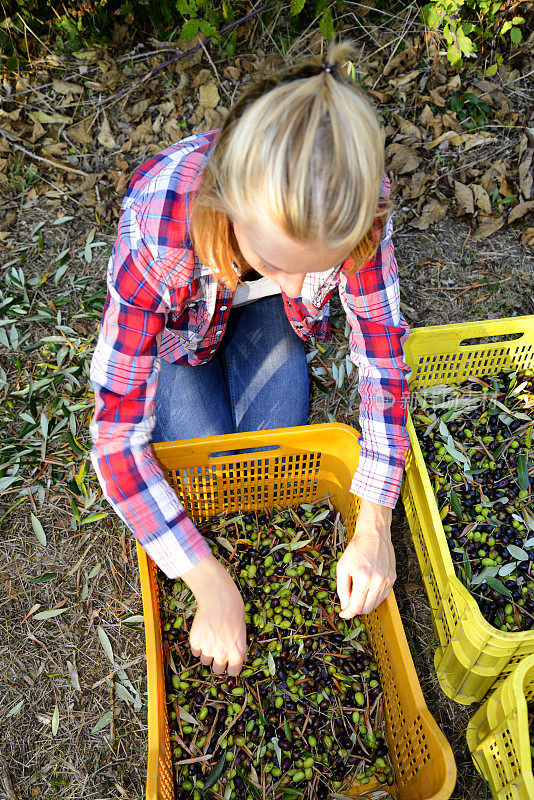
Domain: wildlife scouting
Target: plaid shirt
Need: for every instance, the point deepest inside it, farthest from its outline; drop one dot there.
(162, 302)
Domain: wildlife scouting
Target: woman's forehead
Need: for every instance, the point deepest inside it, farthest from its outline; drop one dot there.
(280, 251)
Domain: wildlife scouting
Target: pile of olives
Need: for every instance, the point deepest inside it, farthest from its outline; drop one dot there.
(304, 717)
(476, 440)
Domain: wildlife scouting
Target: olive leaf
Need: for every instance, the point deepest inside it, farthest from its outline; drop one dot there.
(465, 572)
(102, 722)
(38, 530)
(277, 750)
(490, 571)
(455, 504)
(271, 664)
(185, 716)
(507, 569)
(16, 708)
(106, 644)
(517, 552)
(319, 516)
(353, 634)
(522, 472)
(496, 584)
(253, 789)
(225, 543)
(55, 720)
(49, 613)
(287, 731)
(215, 774)
(46, 576)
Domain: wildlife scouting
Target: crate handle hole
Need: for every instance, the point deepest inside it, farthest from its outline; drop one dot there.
(245, 451)
(501, 337)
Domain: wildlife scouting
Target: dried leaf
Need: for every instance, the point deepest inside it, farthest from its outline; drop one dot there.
(64, 87)
(43, 117)
(488, 226)
(105, 137)
(482, 198)
(432, 213)
(55, 720)
(208, 95)
(81, 132)
(38, 131)
(525, 171)
(471, 140)
(464, 198)
(401, 159)
(408, 129)
(443, 137)
(520, 210)
(73, 675)
(527, 238)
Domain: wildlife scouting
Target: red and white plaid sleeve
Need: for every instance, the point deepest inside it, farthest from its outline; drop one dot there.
(124, 375)
(371, 299)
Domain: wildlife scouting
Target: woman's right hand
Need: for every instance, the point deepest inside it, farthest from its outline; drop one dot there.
(218, 633)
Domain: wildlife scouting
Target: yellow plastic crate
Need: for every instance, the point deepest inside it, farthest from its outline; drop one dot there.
(300, 466)
(498, 736)
(471, 654)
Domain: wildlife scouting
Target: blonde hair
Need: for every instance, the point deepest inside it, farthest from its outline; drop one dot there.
(301, 150)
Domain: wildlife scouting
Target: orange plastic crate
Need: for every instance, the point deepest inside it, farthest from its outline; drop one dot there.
(301, 466)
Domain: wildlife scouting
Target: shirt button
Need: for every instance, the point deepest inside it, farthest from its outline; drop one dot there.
(212, 351)
(218, 333)
(223, 308)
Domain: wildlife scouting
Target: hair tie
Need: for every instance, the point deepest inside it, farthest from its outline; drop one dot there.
(328, 67)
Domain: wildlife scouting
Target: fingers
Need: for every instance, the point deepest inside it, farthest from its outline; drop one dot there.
(235, 668)
(356, 604)
(218, 667)
(343, 585)
(231, 662)
(365, 601)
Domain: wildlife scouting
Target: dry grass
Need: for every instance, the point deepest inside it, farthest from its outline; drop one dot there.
(60, 662)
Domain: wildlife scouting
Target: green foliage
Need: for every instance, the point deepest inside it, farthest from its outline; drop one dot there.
(470, 109)
(465, 24)
(85, 21)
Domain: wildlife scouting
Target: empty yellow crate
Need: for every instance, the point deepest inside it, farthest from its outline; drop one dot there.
(498, 735)
(471, 654)
(301, 465)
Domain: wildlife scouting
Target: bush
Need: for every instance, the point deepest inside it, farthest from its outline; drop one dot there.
(465, 25)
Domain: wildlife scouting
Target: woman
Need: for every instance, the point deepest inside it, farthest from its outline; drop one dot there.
(230, 245)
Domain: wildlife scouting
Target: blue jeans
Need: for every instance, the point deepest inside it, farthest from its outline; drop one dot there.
(257, 380)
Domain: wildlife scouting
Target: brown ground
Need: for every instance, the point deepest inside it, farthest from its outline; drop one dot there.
(447, 275)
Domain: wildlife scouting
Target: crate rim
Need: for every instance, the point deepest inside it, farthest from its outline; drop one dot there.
(464, 329)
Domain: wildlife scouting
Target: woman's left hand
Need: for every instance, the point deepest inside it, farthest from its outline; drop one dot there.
(366, 570)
